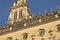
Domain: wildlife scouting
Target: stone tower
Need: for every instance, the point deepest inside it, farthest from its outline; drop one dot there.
(19, 11)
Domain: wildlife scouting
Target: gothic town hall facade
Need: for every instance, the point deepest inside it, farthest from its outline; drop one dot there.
(21, 24)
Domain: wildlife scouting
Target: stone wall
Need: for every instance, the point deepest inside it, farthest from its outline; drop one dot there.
(48, 31)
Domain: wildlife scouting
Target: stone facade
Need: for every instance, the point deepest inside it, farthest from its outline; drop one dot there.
(19, 11)
(48, 31)
(25, 27)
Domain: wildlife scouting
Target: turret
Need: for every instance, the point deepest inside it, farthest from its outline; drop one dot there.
(19, 11)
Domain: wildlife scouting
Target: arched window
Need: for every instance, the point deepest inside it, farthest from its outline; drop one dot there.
(9, 38)
(25, 36)
(15, 16)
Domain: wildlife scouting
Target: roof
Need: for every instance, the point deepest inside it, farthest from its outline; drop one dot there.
(28, 23)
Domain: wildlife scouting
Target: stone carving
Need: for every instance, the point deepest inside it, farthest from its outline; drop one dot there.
(57, 28)
(41, 32)
(9, 38)
(42, 39)
(25, 36)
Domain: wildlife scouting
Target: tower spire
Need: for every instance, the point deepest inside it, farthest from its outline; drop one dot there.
(19, 11)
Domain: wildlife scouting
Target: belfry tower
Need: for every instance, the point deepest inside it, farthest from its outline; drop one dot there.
(19, 11)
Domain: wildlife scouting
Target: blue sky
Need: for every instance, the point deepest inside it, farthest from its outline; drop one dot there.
(35, 6)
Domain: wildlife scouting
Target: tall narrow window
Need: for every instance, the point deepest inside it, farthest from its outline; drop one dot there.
(15, 16)
(20, 14)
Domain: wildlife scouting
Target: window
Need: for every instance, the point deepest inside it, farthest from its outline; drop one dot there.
(15, 16)
(20, 14)
(9, 38)
(57, 28)
(41, 32)
(25, 36)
